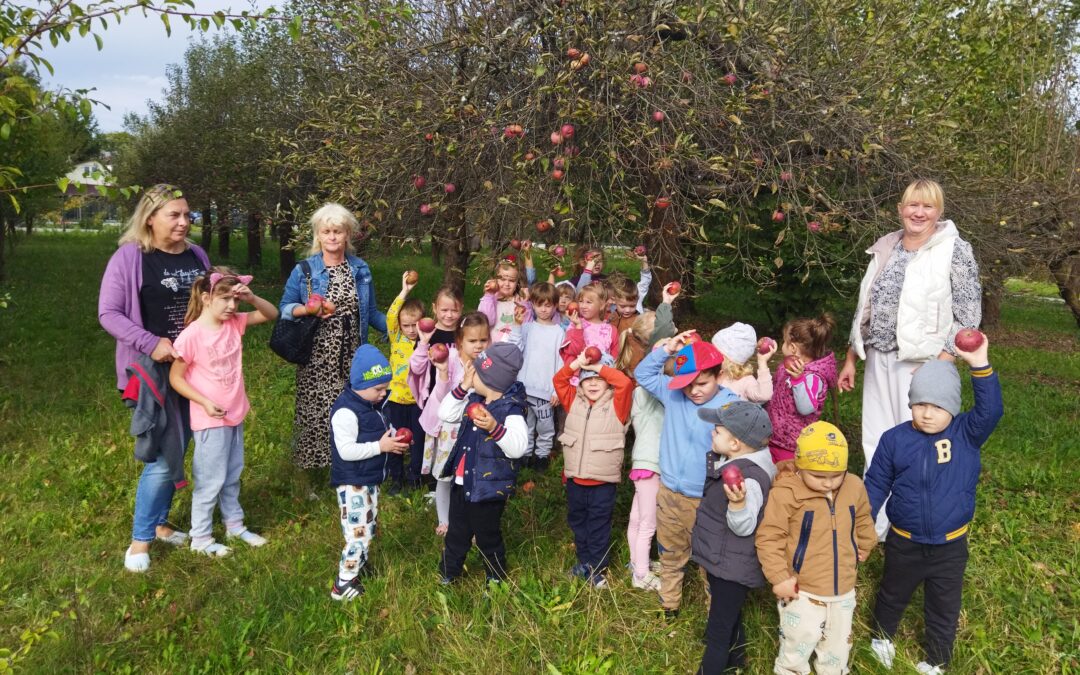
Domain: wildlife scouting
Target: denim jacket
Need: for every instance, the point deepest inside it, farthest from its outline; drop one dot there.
(296, 292)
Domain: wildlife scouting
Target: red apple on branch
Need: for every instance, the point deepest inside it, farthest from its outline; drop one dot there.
(557, 174)
(730, 79)
(515, 244)
(419, 182)
(426, 210)
(556, 138)
(662, 202)
(778, 216)
(559, 251)
(658, 116)
(573, 53)
(567, 130)
(449, 188)
(543, 226)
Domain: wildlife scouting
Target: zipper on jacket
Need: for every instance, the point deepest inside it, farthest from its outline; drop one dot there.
(835, 549)
(926, 495)
(584, 433)
(386, 455)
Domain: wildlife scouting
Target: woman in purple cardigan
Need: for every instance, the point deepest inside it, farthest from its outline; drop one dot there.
(144, 295)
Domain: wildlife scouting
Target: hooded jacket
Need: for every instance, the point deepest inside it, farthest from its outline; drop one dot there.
(785, 417)
(805, 535)
(156, 417)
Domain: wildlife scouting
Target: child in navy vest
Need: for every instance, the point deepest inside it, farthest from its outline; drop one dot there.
(361, 442)
(728, 516)
(490, 406)
(928, 470)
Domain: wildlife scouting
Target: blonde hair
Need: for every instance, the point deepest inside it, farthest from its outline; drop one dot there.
(622, 287)
(926, 190)
(332, 213)
(641, 330)
(597, 289)
(138, 229)
(226, 283)
(734, 370)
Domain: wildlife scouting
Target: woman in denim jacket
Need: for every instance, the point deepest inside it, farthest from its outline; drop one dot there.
(346, 314)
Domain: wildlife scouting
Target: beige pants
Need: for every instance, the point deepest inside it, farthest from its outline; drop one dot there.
(675, 516)
(815, 624)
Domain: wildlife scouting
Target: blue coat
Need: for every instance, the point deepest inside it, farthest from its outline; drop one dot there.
(489, 474)
(371, 425)
(296, 292)
(932, 477)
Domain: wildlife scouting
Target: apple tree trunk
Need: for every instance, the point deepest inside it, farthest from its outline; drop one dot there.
(1066, 271)
(254, 239)
(207, 227)
(223, 226)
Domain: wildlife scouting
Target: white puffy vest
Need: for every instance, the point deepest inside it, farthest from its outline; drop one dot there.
(925, 314)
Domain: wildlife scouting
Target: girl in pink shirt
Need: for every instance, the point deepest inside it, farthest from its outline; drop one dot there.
(209, 373)
(587, 326)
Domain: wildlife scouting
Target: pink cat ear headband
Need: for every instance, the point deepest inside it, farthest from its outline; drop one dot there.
(215, 277)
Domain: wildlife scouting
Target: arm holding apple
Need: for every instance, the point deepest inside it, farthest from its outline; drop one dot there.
(983, 417)
(389, 443)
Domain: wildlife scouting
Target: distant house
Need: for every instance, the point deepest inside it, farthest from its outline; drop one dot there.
(84, 203)
(89, 175)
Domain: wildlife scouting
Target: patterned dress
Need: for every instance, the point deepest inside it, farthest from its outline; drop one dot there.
(327, 374)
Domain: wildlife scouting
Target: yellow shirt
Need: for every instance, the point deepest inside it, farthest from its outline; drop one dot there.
(401, 350)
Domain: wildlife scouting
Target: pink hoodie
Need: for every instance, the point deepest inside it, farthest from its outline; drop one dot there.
(419, 376)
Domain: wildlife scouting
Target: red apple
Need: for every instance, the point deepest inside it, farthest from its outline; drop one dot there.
(778, 216)
(814, 226)
(528, 486)
(785, 176)
(411, 277)
(438, 353)
(658, 116)
(328, 308)
(426, 324)
(573, 53)
(572, 308)
(732, 476)
(403, 435)
(426, 210)
(662, 202)
(556, 137)
(419, 182)
(572, 151)
(765, 345)
(475, 409)
(592, 355)
(568, 130)
(543, 226)
(674, 288)
(730, 79)
(557, 175)
(529, 156)
(429, 137)
(639, 251)
(490, 286)
(558, 163)
(968, 340)
(559, 271)
(585, 58)
(559, 251)
(515, 244)
(640, 67)
(791, 363)
(314, 303)
(449, 188)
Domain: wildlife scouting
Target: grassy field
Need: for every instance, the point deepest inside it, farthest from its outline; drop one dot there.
(67, 605)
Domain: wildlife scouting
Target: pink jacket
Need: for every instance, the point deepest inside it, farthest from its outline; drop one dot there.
(785, 418)
(419, 376)
(756, 389)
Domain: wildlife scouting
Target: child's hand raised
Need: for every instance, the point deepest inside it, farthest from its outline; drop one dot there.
(736, 497)
(763, 359)
(679, 341)
(490, 286)
(442, 371)
(425, 338)
(243, 293)
(787, 589)
(668, 297)
(980, 356)
(406, 287)
(389, 443)
(468, 375)
(526, 252)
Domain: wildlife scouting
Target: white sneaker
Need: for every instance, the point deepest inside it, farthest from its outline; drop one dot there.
(655, 566)
(248, 537)
(927, 669)
(884, 651)
(136, 562)
(211, 548)
(649, 582)
(177, 538)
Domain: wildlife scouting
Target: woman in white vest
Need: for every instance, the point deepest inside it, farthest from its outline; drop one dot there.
(921, 287)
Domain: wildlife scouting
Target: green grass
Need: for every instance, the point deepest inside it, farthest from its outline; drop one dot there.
(1041, 289)
(66, 603)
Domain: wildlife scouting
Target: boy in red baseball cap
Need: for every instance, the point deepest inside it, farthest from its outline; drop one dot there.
(685, 443)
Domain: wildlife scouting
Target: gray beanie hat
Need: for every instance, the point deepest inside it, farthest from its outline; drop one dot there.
(936, 382)
(736, 342)
(498, 365)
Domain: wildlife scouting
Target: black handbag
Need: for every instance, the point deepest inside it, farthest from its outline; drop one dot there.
(293, 339)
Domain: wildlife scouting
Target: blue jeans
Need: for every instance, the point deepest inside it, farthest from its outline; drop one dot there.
(153, 499)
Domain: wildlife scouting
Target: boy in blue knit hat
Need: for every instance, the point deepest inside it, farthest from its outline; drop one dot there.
(928, 469)
(361, 442)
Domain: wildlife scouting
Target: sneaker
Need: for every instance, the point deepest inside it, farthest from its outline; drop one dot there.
(445, 581)
(598, 581)
(391, 488)
(136, 562)
(649, 582)
(655, 566)
(248, 537)
(211, 548)
(346, 590)
(671, 614)
(541, 464)
(177, 538)
(883, 651)
(580, 571)
(927, 669)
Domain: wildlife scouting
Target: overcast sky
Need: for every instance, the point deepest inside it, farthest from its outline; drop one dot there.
(130, 68)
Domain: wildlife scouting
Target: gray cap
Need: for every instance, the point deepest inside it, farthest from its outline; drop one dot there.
(746, 421)
(936, 382)
(498, 365)
(605, 360)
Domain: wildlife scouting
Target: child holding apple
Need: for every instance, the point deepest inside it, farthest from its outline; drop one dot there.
(801, 383)
(587, 326)
(597, 400)
(489, 405)
(362, 441)
(435, 370)
(500, 300)
(928, 469)
(403, 320)
(739, 345)
(738, 474)
(816, 530)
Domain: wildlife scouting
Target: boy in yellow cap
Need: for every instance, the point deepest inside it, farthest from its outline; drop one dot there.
(816, 530)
